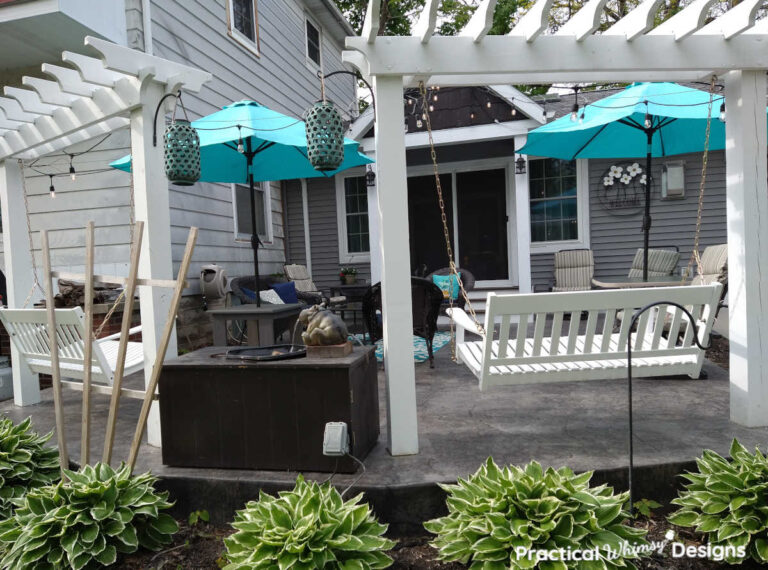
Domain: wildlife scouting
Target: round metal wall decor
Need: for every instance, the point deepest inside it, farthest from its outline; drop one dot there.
(182, 153)
(622, 189)
(325, 136)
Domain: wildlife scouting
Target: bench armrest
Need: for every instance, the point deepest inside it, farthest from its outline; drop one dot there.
(462, 320)
(116, 336)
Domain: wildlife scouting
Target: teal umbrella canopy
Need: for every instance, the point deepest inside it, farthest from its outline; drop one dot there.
(279, 144)
(613, 127)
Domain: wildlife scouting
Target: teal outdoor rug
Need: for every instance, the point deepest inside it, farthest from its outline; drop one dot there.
(419, 345)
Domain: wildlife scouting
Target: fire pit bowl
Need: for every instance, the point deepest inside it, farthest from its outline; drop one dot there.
(267, 353)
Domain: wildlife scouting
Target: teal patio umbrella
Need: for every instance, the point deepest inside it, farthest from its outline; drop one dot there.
(655, 119)
(247, 142)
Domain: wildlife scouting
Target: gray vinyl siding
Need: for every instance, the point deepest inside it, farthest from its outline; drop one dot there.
(615, 239)
(195, 33)
(102, 197)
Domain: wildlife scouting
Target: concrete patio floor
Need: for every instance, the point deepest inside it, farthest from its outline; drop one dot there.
(579, 424)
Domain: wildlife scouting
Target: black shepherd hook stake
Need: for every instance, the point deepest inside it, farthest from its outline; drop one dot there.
(632, 324)
(357, 76)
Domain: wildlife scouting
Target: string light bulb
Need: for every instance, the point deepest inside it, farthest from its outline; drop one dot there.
(52, 190)
(648, 121)
(581, 117)
(722, 112)
(514, 111)
(419, 124)
(575, 113)
(472, 115)
(431, 108)
(240, 147)
(72, 173)
(488, 104)
(434, 97)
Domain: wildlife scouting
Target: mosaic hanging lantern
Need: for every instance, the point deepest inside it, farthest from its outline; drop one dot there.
(325, 136)
(182, 153)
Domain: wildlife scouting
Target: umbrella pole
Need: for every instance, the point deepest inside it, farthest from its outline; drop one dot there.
(254, 232)
(647, 216)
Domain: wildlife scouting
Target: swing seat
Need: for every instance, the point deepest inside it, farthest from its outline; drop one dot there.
(554, 349)
(28, 329)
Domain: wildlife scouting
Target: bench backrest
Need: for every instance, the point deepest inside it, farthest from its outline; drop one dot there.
(556, 339)
(28, 329)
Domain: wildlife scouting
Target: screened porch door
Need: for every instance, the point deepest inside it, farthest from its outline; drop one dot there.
(476, 212)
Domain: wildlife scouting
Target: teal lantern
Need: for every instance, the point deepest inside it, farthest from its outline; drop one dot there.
(182, 153)
(325, 136)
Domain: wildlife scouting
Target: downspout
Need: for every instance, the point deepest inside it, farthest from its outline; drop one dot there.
(146, 25)
(305, 212)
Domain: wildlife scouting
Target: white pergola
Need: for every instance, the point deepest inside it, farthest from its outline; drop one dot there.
(733, 46)
(90, 97)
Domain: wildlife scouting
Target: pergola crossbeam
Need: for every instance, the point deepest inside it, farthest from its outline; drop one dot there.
(49, 91)
(29, 100)
(371, 21)
(739, 18)
(425, 26)
(481, 22)
(69, 80)
(534, 22)
(586, 20)
(685, 22)
(637, 22)
(92, 70)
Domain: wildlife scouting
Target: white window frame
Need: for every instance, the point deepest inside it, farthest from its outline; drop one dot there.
(582, 204)
(266, 188)
(309, 61)
(237, 35)
(341, 219)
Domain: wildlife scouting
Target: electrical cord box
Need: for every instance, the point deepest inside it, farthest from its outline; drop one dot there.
(335, 439)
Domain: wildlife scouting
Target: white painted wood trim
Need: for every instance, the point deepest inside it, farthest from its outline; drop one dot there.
(523, 224)
(345, 257)
(249, 44)
(481, 22)
(314, 67)
(374, 230)
(582, 196)
(305, 220)
(459, 135)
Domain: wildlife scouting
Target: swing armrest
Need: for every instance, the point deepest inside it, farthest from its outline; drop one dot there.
(116, 336)
(461, 320)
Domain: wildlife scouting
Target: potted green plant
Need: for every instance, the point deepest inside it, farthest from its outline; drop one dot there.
(348, 275)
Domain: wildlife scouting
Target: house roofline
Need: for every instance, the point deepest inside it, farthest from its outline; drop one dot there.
(509, 94)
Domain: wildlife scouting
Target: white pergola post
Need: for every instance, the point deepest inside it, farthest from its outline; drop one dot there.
(747, 207)
(18, 270)
(523, 223)
(153, 208)
(392, 188)
(374, 230)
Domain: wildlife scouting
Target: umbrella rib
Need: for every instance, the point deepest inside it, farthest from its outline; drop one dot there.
(586, 144)
(325, 174)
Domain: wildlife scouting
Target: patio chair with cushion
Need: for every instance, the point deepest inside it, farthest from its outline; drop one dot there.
(426, 298)
(661, 262)
(574, 269)
(467, 279)
(306, 290)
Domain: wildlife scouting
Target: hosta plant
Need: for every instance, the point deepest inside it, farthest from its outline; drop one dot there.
(308, 528)
(728, 501)
(530, 517)
(25, 462)
(86, 521)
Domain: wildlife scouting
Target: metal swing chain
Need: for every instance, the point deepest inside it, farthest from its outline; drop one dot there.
(36, 283)
(705, 158)
(446, 233)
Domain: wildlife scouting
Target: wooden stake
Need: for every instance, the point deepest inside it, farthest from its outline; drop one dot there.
(85, 435)
(163, 347)
(130, 289)
(54, 346)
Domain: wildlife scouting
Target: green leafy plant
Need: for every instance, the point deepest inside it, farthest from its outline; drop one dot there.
(25, 462)
(728, 502)
(310, 527)
(86, 520)
(196, 516)
(508, 518)
(645, 507)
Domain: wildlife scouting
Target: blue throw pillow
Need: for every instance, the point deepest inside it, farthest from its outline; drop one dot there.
(248, 293)
(287, 291)
(448, 283)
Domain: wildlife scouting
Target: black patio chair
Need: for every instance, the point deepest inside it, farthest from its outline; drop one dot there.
(466, 278)
(426, 300)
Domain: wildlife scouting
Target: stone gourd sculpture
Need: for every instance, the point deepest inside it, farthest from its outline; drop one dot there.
(323, 327)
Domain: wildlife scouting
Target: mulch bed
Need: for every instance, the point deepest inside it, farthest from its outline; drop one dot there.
(718, 351)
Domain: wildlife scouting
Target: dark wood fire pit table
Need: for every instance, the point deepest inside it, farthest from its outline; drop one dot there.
(223, 413)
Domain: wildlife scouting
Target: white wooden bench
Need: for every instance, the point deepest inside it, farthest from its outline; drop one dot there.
(559, 350)
(29, 333)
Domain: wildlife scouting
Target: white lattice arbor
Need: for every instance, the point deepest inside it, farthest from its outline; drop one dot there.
(734, 46)
(89, 97)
